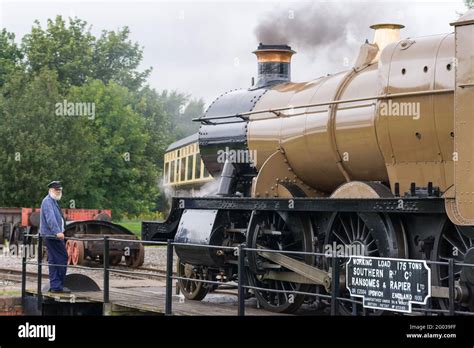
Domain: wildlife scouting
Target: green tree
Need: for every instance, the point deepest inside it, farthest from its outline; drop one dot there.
(116, 58)
(10, 55)
(125, 178)
(159, 125)
(469, 4)
(66, 49)
(77, 55)
(181, 109)
(38, 145)
(185, 124)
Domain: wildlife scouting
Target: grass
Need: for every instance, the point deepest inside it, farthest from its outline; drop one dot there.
(136, 228)
(133, 226)
(5, 292)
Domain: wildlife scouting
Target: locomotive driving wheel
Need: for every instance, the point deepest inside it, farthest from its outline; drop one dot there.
(451, 243)
(278, 231)
(363, 234)
(192, 290)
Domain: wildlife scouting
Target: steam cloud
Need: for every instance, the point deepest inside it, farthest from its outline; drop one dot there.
(338, 27)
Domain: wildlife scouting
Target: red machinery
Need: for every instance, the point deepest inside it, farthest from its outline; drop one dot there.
(16, 221)
(80, 223)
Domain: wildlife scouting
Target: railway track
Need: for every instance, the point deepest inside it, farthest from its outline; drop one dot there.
(140, 269)
(14, 275)
(98, 266)
(124, 271)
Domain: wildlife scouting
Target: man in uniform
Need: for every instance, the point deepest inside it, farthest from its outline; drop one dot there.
(52, 225)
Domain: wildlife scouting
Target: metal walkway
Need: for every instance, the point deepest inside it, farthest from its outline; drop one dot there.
(151, 300)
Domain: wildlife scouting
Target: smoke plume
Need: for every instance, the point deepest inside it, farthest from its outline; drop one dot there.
(334, 27)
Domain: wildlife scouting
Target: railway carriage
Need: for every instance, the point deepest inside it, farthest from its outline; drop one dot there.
(184, 172)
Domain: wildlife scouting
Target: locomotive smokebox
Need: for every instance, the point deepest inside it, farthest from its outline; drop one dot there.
(274, 64)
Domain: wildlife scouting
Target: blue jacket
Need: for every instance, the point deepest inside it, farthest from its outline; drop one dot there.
(51, 221)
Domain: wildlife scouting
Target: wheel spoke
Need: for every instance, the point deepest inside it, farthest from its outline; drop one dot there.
(274, 295)
(363, 235)
(345, 229)
(367, 237)
(358, 228)
(342, 240)
(369, 244)
(285, 295)
(354, 237)
(290, 245)
(453, 244)
(461, 237)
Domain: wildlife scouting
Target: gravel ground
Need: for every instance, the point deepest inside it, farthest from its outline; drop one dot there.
(155, 257)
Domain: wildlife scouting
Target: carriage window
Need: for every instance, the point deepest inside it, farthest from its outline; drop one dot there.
(183, 169)
(166, 174)
(172, 171)
(206, 173)
(189, 169)
(197, 169)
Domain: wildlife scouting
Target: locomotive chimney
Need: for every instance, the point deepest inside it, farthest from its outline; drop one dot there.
(385, 34)
(274, 64)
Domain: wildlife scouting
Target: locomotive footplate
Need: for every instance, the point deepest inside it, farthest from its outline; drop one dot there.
(164, 230)
(432, 205)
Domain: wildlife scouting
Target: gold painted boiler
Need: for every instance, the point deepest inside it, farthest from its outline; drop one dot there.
(367, 140)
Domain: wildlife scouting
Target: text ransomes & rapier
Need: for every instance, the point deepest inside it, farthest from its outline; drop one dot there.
(372, 283)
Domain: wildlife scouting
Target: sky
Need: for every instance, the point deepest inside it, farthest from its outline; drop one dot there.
(203, 48)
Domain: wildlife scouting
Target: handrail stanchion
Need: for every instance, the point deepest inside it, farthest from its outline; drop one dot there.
(451, 286)
(169, 277)
(106, 269)
(241, 279)
(334, 285)
(40, 272)
(23, 271)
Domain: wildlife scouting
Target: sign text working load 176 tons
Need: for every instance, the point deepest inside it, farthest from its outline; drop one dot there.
(388, 284)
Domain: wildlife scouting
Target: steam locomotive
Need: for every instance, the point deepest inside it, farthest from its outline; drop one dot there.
(380, 156)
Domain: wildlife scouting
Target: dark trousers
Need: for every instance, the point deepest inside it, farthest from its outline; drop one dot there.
(57, 254)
